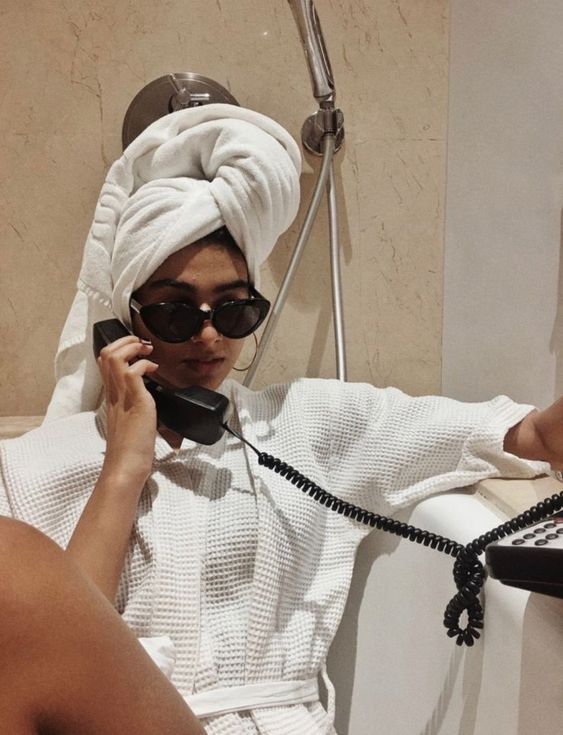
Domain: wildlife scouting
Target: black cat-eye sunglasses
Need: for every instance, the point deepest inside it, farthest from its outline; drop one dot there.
(176, 321)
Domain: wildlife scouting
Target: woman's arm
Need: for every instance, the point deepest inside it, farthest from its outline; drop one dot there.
(100, 540)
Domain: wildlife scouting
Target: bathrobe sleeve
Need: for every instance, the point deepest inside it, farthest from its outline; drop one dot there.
(423, 445)
(5, 509)
(385, 449)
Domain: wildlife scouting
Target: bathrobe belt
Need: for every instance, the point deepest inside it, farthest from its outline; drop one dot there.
(221, 701)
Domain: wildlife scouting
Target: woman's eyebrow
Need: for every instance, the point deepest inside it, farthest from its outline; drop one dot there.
(191, 289)
(171, 283)
(231, 286)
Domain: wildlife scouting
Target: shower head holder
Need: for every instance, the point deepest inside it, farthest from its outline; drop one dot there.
(167, 94)
(327, 120)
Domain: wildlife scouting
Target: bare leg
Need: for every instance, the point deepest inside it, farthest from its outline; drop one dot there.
(69, 665)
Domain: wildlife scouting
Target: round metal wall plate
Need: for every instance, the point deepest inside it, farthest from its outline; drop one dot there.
(312, 136)
(167, 94)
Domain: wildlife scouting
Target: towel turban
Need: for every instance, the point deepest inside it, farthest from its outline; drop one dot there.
(188, 174)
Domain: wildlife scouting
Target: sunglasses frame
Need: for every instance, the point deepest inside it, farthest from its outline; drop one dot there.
(255, 299)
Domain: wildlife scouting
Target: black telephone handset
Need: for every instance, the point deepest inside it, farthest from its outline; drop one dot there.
(529, 560)
(195, 413)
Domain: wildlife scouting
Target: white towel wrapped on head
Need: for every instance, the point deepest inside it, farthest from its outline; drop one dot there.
(185, 176)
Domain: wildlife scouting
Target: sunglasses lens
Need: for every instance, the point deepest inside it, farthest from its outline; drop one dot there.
(172, 322)
(237, 320)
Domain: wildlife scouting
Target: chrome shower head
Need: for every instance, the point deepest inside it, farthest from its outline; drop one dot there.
(328, 120)
(315, 50)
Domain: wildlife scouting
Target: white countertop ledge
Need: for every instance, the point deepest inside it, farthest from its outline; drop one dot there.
(511, 497)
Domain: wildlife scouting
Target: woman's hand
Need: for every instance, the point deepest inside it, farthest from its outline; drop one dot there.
(539, 436)
(131, 411)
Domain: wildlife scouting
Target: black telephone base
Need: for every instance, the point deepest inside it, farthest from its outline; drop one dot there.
(531, 558)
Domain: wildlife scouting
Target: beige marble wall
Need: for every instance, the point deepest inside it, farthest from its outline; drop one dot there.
(70, 69)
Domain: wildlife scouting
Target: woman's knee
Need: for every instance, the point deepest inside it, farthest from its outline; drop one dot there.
(25, 545)
(30, 561)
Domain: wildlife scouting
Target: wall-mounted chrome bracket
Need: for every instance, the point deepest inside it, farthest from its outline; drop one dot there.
(325, 120)
(167, 94)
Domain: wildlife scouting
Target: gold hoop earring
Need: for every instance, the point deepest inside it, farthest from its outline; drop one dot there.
(251, 363)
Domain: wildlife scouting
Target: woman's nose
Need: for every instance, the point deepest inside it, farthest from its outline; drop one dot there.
(207, 333)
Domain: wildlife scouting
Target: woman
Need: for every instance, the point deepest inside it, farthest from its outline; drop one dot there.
(231, 578)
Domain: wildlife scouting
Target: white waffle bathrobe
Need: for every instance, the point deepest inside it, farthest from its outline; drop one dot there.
(246, 575)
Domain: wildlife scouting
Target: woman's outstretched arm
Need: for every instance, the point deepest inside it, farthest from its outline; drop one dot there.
(69, 664)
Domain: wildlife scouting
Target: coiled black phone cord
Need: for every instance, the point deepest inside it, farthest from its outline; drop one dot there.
(468, 572)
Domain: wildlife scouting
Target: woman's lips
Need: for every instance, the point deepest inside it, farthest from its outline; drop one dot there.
(205, 366)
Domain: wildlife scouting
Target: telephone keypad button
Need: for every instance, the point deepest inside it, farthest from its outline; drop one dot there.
(539, 530)
(529, 535)
(549, 525)
(552, 535)
(541, 542)
(518, 541)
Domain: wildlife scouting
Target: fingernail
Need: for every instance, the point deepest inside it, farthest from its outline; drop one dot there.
(146, 342)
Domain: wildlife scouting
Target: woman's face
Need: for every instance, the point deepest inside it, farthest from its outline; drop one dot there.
(204, 275)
